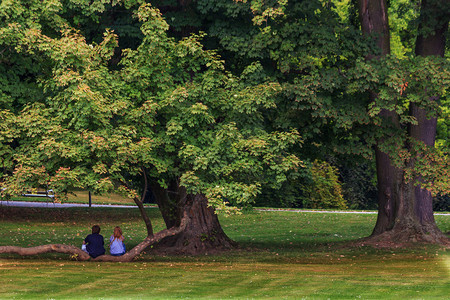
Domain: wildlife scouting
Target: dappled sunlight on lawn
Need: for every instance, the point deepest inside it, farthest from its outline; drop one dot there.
(447, 265)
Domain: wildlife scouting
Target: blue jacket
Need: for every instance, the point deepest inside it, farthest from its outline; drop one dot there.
(95, 245)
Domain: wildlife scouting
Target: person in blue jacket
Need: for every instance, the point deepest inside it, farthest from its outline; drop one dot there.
(94, 242)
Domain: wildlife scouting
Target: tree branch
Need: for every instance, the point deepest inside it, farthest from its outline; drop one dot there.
(83, 256)
(60, 248)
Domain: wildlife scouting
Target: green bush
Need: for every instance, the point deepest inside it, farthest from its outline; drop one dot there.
(325, 190)
(288, 196)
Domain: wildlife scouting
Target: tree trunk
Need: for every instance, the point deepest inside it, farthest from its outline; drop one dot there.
(416, 220)
(373, 15)
(140, 204)
(405, 211)
(167, 203)
(433, 12)
(375, 24)
(389, 179)
(203, 233)
(147, 221)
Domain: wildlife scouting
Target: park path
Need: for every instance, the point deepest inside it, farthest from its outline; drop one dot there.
(58, 205)
(65, 205)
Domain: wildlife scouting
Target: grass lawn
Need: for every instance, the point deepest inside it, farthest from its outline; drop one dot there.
(282, 255)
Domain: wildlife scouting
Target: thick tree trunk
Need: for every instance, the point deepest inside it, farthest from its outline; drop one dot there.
(202, 235)
(405, 211)
(375, 24)
(433, 12)
(373, 15)
(389, 180)
(415, 220)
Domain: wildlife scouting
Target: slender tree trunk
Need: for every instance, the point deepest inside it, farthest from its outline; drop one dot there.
(147, 221)
(140, 204)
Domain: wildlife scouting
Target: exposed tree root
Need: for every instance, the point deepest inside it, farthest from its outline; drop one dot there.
(83, 256)
(189, 242)
(400, 237)
(60, 248)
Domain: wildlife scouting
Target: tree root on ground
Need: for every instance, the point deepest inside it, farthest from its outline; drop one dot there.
(405, 237)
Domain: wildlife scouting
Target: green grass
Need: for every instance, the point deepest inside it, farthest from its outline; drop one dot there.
(282, 255)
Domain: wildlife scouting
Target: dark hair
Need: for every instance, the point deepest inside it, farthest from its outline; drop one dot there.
(95, 229)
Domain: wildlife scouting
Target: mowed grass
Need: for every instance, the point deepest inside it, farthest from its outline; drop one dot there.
(281, 255)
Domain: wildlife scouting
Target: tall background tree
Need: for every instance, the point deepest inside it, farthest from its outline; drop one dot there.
(314, 50)
(405, 210)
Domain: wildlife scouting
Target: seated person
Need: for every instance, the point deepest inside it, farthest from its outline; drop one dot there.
(94, 243)
(117, 246)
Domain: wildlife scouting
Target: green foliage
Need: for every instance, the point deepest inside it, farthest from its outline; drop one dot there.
(443, 126)
(170, 108)
(97, 106)
(403, 16)
(325, 190)
(316, 51)
(400, 83)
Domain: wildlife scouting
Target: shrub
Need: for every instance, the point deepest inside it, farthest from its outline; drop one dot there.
(325, 190)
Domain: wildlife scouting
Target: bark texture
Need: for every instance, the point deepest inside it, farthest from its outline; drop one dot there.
(203, 233)
(375, 24)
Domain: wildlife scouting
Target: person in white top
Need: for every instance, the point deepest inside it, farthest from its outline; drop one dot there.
(117, 246)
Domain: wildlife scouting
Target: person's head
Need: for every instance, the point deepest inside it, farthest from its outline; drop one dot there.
(95, 229)
(117, 232)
